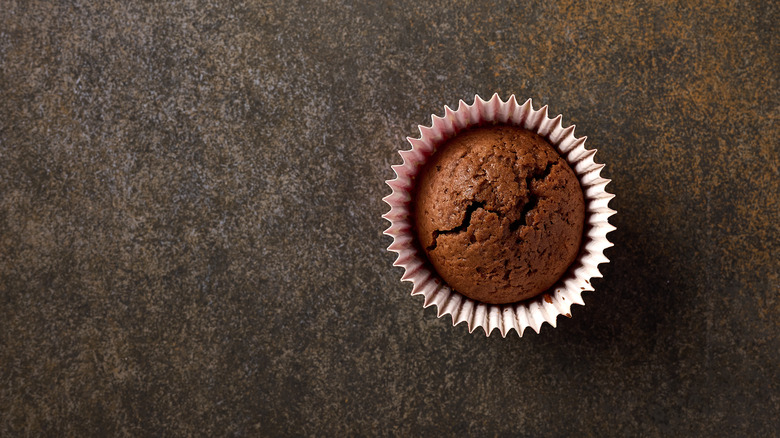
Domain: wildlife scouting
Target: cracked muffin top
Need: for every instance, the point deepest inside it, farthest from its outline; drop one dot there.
(499, 214)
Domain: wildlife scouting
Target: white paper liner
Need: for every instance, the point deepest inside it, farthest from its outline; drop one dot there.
(568, 290)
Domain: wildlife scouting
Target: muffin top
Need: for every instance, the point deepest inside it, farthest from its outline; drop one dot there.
(499, 214)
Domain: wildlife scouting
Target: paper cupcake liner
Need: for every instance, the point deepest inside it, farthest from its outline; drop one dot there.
(533, 312)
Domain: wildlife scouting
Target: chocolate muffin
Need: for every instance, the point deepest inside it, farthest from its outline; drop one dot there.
(499, 214)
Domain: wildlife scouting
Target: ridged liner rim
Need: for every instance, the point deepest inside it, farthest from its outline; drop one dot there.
(534, 312)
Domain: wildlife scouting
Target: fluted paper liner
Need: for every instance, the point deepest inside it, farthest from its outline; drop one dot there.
(533, 312)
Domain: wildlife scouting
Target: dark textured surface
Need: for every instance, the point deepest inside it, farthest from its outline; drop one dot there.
(190, 232)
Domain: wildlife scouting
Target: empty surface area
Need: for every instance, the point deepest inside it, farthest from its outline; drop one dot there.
(191, 235)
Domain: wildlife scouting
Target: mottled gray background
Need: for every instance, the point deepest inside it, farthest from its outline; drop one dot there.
(191, 241)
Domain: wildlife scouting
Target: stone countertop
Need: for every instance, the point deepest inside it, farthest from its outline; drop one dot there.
(191, 241)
